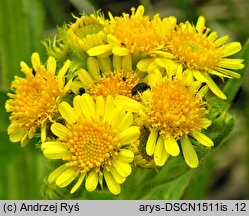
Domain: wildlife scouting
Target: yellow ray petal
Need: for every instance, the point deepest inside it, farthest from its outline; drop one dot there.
(67, 112)
(35, 59)
(100, 107)
(56, 173)
(64, 68)
(57, 152)
(128, 103)
(18, 135)
(112, 185)
(60, 131)
(109, 107)
(189, 153)
(25, 67)
(44, 131)
(113, 40)
(144, 64)
(50, 144)
(151, 142)
(201, 93)
(162, 54)
(231, 48)
(127, 63)
(89, 105)
(204, 77)
(105, 64)
(205, 123)
(62, 72)
(118, 178)
(227, 72)
(67, 177)
(212, 36)
(160, 155)
(221, 41)
(200, 24)
(67, 86)
(124, 169)
(92, 181)
(120, 51)
(171, 145)
(233, 64)
(51, 65)
(126, 155)
(140, 11)
(125, 123)
(117, 116)
(93, 67)
(117, 62)
(129, 135)
(24, 140)
(85, 78)
(80, 107)
(217, 73)
(203, 139)
(99, 50)
(78, 183)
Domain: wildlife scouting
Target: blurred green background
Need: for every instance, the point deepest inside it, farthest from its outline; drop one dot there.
(25, 23)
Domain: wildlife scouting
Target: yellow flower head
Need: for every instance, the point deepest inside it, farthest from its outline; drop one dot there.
(34, 99)
(108, 77)
(93, 144)
(175, 111)
(86, 32)
(203, 53)
(136, 34)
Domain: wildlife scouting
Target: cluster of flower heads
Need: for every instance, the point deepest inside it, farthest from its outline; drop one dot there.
(118, 93)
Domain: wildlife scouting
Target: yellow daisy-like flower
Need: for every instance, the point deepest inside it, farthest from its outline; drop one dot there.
(136, 34)
(86, 32)
(93, 143)
(204, 54)
(35, 98)
(174, 112)
(109, 77)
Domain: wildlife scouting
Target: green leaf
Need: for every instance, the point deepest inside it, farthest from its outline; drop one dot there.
(169, 182)
(21, 29)
(172, 190)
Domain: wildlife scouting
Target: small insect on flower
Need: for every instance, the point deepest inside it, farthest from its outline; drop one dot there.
(33, 72)
(82, 91)
(140, 87)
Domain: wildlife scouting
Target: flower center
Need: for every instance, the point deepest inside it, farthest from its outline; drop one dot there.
(92, 145)
(86, 32)
(174, 109)
(35, 98)
(85, 28)
(194, 49)
(115, 83)
(137, 32)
